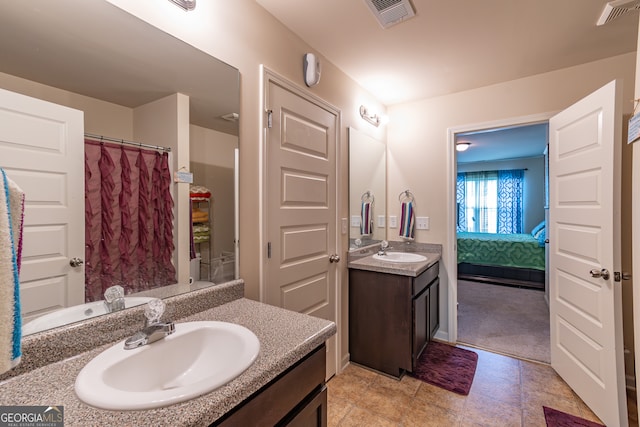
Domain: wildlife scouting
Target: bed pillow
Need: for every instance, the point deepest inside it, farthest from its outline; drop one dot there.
(542, 236)
(537, 230)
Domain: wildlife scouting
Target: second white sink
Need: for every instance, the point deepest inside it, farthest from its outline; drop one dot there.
(196, 359)
(400, 257)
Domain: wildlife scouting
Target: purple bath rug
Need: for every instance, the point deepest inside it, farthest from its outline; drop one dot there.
(555, 418)
(446, 366)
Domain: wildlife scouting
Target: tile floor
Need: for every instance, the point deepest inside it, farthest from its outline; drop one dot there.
(505, 392)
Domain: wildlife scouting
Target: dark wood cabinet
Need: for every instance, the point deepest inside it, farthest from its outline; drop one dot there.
(297, 397)
(391, 318)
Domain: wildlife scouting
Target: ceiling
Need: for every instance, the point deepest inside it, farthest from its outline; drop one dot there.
(95, 49)
(452, 46)
(512, 142)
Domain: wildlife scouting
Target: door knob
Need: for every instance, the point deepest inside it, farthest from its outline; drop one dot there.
(334, 258)
(75, 262)
(604, 273)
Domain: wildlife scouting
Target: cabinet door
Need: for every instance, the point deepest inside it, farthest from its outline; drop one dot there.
(420, 324)
(434, 307)
(312, 414)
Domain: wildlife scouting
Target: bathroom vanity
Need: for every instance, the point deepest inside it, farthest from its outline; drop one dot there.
(393, 312)
(285, 385)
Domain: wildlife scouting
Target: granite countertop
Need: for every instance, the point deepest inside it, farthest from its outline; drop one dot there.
(363, 259)
(285, 337)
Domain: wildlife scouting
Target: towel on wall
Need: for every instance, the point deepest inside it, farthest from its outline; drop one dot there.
(11, 221)
(407, 221)
(366, 218)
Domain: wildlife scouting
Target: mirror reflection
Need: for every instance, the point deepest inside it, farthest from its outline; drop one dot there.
(367, 189)
(137, 84)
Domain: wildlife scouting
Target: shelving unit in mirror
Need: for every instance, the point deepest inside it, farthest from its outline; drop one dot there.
(201, 229)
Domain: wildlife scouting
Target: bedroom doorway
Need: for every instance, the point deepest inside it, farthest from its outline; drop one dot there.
(499, 219)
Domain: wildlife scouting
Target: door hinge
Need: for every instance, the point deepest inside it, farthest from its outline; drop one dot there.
(269, 119)
(269, 250)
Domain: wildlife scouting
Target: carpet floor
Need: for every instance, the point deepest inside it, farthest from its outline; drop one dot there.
(503, 319)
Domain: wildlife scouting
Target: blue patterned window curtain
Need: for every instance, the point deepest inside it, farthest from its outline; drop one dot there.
(460, 203)
(490, 201)
(510, 189)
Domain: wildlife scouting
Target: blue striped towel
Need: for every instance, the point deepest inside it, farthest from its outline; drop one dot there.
(407, 221)
(366, 218)
(11, 219)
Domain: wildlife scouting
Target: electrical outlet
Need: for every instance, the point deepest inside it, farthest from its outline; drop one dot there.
(393, 221)
(381, 221)
(355, 221)
(422, 222)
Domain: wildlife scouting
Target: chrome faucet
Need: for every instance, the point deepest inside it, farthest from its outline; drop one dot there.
(114, 298)
(153, 330)
(384, 246)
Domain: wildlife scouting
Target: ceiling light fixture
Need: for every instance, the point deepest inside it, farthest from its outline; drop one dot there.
(374, 119)
(185, 4)
(462, 146)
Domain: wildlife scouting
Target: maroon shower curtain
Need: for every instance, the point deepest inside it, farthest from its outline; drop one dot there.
(128, 219)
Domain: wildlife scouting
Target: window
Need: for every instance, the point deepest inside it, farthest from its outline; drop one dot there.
(490, 201)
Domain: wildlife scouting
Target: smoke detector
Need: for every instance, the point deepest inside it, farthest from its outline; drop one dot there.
(391, 12)
(614, 9)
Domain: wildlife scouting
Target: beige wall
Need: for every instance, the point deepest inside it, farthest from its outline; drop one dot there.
(417, 134)
(100, 117)
(245, 36)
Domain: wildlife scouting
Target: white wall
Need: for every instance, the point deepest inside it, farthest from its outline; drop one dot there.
(417, 135)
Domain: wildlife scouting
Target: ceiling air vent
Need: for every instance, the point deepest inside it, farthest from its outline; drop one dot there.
(614, 9)
(391, 12)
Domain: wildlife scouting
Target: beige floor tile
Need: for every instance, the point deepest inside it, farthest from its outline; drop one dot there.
(336, 409)
(426, 415)
(407, 386)
(539, 377)
(499, 389)
(533, 418)
(385, 402)
(351, 384)
(432, 395)
(534, 400)
(484, 411)
(358, 417)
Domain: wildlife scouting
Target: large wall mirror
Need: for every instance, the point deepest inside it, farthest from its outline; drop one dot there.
(92, 56)
(367, 189)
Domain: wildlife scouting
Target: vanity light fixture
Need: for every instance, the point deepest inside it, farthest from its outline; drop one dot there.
(185, 4)
(374, 119)
(462, 146)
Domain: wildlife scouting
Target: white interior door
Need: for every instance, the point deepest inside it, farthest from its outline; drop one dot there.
(584, 237)
(301, 207)
(42, 150)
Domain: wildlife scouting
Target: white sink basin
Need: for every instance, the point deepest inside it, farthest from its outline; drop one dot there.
(196, 359)
(75, 314)
(400, 257)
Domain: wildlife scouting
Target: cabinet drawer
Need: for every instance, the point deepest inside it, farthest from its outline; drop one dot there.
(426, 277)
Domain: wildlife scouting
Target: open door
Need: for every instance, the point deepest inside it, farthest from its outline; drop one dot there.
(42, 150)
(585, 299)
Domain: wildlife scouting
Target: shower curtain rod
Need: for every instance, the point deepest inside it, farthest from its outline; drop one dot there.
(125, 142)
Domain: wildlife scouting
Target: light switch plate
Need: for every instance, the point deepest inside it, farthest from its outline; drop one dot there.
(355, 221)
(393, 221)
(381, 221)
(422, 222)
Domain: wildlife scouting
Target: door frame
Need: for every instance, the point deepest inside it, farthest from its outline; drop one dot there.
(451, 255)
(266, 77)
